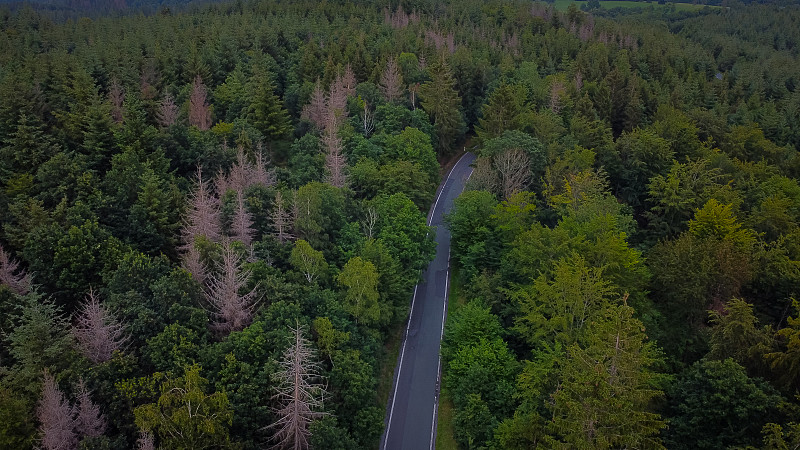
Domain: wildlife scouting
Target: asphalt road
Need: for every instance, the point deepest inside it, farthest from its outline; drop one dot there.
(411, 413)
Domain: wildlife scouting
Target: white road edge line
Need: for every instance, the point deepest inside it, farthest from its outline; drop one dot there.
(410, 313)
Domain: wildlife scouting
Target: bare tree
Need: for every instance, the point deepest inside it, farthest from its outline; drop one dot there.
(578, 81)
(203, 215)
(281, 219)
(91, 422)
(556, 93)
(413, 89)
(261, 175)
(514, 167)
(167, 111)
(241, 171)
(199, 109)
(299, 394)
(316, 110)
(349, 81)
(242, 225)
(98, 333)
(11, 275)
(192, 262)
(367, 120)
(221, 184)
(335, 160)
(370, 220)
(145, 441)
(231, 310)
(484, 176)
(336, 112)
(391, 84)
(117, 96)
(56, 418)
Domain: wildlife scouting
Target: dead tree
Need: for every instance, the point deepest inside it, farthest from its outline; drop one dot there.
(349, 81)
(299, 394)
(241, 171)
(90, 421)
(56, 418)
(514, 168)
(367, 120)
(167, 112)
(260, 174)
(335, 160)
(484, 176)
(413, 89)
(556, 93)
(192, 262)
(391, 83)
(12, 276)
(281, 220)
(242, 224)
(316, 110)
(203, 218)
(98, 333)
(230, 310)
(117, 97)
(199, 109)
(336, 111)
(145, 441)
(370, 221)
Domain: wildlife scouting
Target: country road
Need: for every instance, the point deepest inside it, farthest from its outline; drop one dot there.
(411, 412)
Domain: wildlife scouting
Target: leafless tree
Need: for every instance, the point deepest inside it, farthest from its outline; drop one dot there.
(368, 120)
(56, 418)
(413, 89)
(391, 84)
(98, 333)
(221, 184)
(281, 219)
(261, 174)
(370, 220)
(167, 112)
(148, 80)
(578, 81)
(192, 262)
(90, 422)
(12, 275)
(199, 109)
(556, 93)
(299, 394)
(203, 215)
(335, 160)
(484, 176)
(239, 177)
(514, 168)
(242, 225)
(231, 311)
(316, 110)
(145, 441)
(336, 112)
(117, 96)
(349, 81)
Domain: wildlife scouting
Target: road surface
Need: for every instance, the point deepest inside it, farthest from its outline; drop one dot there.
(411, 413)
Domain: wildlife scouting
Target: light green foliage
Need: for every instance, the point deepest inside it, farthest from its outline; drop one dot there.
(402, 229)
(173, 349)
(185, 416)
(311, 263)
(474, 243)
(787, 359)
(776, 437)
(329, 339)
(736, 335)
(717, 221)
(361, 298)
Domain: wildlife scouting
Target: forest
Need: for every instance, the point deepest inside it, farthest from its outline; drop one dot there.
(212, 221)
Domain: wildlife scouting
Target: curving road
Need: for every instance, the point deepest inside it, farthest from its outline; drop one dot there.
(411, 413)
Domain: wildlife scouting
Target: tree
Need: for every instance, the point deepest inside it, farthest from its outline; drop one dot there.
(391, 83)
(308, 261)
(242, 224)
(185, 416)
(736, 335)
(266, 110)
(199, 109)
(787, 360)
(316, 110)
(603, 400)
(503, 111)
(56, 418)
(299, 394)
(203, 215)
(90, 422)
(231, 310)
(98, 333)
(361, 299)
(281, 219)
(167, 112)
(442, 103)
(12, 275)
(117, 97)
(335, 160)
(514, 168)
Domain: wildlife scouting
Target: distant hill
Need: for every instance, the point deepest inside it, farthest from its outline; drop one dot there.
(91, 8)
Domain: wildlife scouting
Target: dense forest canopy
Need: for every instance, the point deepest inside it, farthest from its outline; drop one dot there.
(225, 206)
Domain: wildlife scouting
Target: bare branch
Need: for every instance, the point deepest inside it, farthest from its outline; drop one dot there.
(56, 418)
(391, 84)
(242, 226)
(199, 109)
(231, 311)
(281, 220)
(13, 276)
(316, 109)
(167, 111)
(117, 96)
(91, 422)
(98, 333)
(145, 441)
(335, 160)
(203, 215)
(515, 171)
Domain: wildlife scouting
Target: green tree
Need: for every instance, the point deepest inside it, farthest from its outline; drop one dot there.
(443, 104)
(503, 111)
(266, 110)
(736, 335)
(185, 416)
(311, 263)
(361, 298)
(786, 361)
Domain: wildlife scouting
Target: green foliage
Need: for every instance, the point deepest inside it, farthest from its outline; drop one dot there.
(361, 297)
(311, 263)
(442, 103)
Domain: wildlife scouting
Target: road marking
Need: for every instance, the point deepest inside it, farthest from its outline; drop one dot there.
(411, 313)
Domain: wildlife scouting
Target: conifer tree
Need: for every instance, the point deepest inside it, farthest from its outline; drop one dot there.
(90, 421)
(199, 109)
(242, 225)
(442, 103)
(230, 309)
(316, 110)
(98, 333)
(167, 111)
(391, 83)
(281, 219)
(203, 217)
(56, 418)
(266, 110)
(12, 275)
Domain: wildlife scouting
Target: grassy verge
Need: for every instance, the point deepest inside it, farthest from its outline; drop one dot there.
(445, 439)
(392, 350)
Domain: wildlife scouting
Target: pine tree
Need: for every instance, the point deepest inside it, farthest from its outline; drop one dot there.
(98, 333)
(203, 218)
(56, 418)
(231, 310)
(199, 109)
(266, 110)
(90, 421)
(167, 111)
(391, 84)
(335, 160)
(299, 394)
(442, 103)
(316, 110)
(242, 225)
(116, 96)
